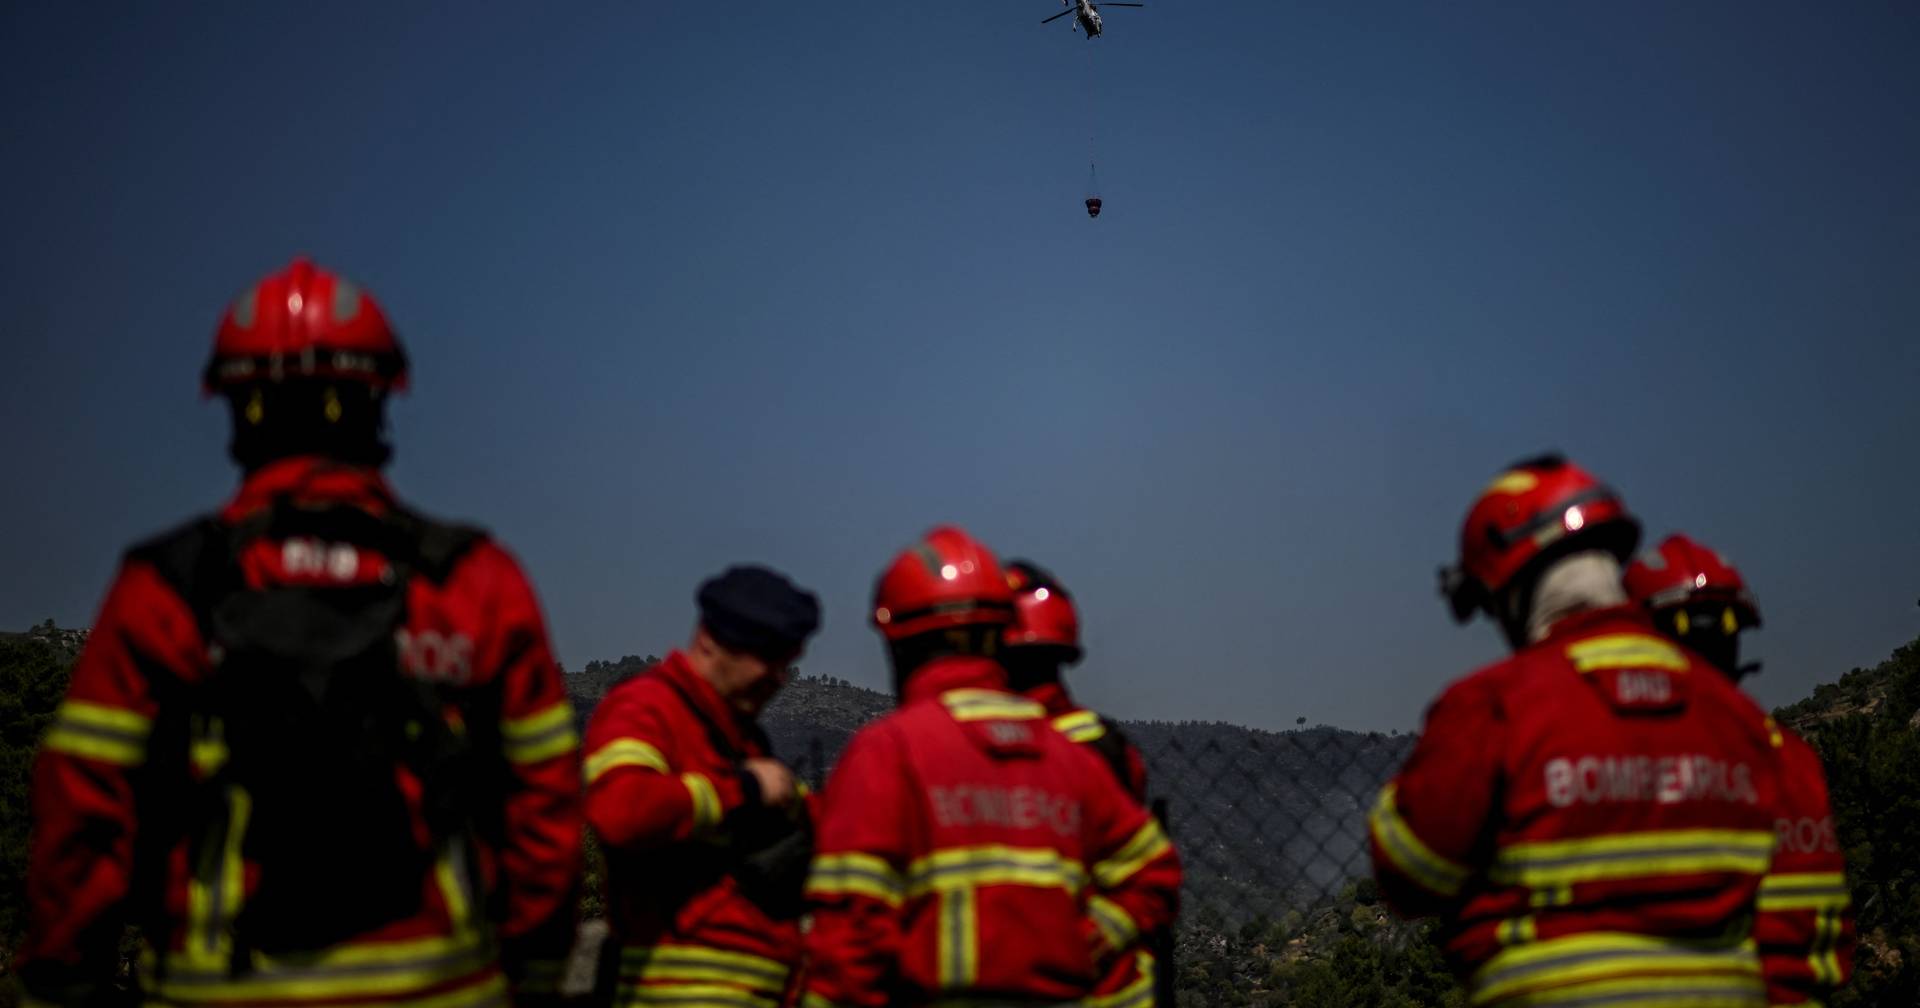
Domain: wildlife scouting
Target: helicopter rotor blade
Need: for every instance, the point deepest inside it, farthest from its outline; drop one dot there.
(1099, 5)
(1058, 16)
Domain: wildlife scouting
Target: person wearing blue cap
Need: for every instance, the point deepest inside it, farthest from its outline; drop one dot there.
(707, 835)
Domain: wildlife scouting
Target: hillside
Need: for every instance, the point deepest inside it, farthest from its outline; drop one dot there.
(64, 644)
(1861, 691)
(1267, 821)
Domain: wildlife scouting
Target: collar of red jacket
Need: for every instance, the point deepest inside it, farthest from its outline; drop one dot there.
(943, 674)
(308, 478)
(1622, 617)
(1053, 696)
(705, 700)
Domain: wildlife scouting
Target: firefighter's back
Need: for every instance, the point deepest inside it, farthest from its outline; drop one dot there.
(968, 852)
(1591, 817)
(1002, 802)
(317, 747)
(1634, 826)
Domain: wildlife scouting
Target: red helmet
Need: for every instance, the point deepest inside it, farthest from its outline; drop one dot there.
(1681, 572)
(305, 322)
(947, 579)
(1536, 505)
(1043, 613)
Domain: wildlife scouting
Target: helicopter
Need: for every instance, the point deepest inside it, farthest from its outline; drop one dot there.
(1088, 14)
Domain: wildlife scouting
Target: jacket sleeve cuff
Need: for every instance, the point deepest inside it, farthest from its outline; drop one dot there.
(1099, 945)
(713, 797)
(1116, 928)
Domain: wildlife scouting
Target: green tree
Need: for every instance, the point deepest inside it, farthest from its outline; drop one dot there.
(1872, 759)
(33, 677)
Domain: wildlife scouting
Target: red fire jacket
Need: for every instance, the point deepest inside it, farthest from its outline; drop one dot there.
(966, 850)
(479, 627)
(1592, 818)
(664, 752)
(1135, 970)
(1088, 728)
(1805, 928)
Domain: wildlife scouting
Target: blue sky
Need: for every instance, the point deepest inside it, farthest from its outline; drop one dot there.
(691, 284)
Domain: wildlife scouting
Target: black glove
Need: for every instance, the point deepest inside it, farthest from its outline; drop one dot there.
(774, 856)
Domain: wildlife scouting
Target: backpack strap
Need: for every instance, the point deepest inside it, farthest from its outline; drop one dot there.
(197, 561)
(434, 547)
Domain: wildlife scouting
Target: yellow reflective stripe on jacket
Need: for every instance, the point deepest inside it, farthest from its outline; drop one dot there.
(96, 731)
(1646, 992)
(65, 739)
(103, 717)
(677, 967)
(855, 874)
(623, 752)
(1115, 924)
(1518, 930)
(706, 800)
(1803, 891)
(1138, 994)
(1633, 855)
(957, 939)
(690, 996)
(1148, 843)
(990, 705)
(1551, 896)
(994, 864)
(1081, 726)
(1824, 959)
(345, 972)
(456, 886)
(1404, 848)
(213, 900)
(539, 736)
(1552, 971)
(206, 745)
(812, 1000)
(1625, 651)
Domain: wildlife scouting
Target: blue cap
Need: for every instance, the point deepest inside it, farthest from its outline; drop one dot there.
(757, 610)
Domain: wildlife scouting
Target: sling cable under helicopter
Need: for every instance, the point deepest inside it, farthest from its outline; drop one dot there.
(1086, 16)
(1093, 170)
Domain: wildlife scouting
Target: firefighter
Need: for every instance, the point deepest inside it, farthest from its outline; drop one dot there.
(316, 747)
(967, 851)
(1805, 923)
(1591, 817)
(1043, 638)
(707, 836)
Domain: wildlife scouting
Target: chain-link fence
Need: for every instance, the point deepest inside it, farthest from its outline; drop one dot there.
(1279, 906)
(1267, 823)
